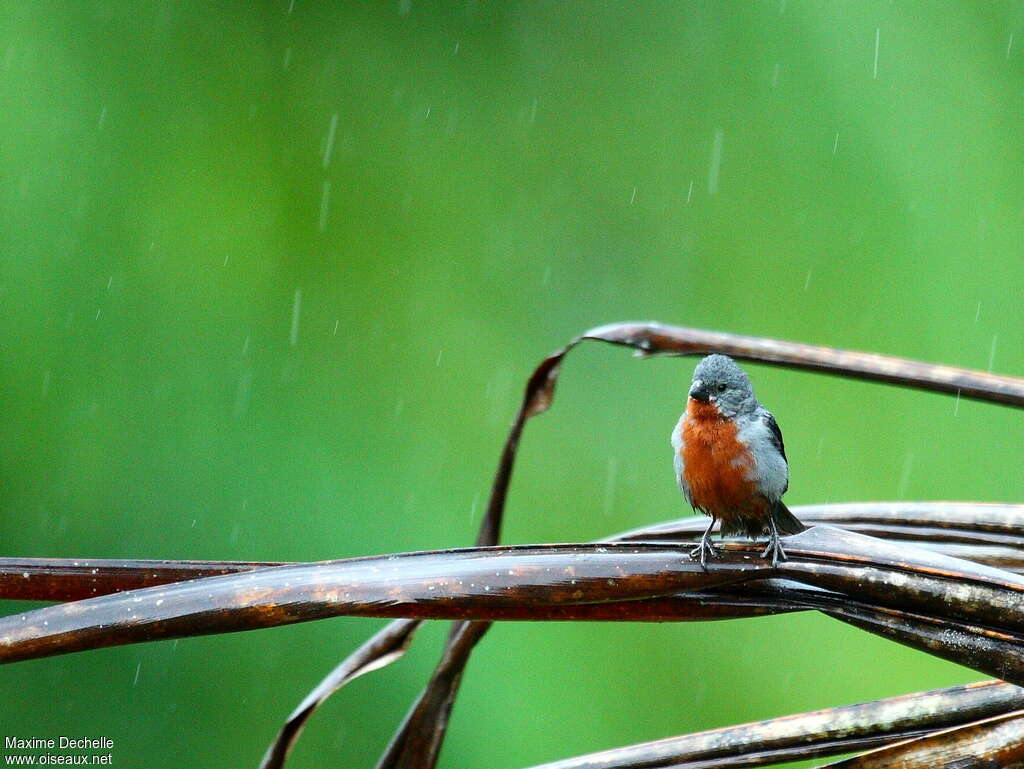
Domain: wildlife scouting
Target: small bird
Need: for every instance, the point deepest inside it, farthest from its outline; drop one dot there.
(730, 459)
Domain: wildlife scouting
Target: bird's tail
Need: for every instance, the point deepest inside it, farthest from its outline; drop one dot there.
(785, 521)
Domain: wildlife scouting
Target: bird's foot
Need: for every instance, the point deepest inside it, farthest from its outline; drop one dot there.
(774, 550)
(702, 551)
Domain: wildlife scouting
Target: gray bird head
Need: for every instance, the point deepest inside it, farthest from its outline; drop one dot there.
(719, 381)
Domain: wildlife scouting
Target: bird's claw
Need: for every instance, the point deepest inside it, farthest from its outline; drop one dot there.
(702, 551)
(774, 549)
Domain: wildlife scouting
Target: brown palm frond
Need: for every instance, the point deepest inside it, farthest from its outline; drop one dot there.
(826, 732)
(911, 589)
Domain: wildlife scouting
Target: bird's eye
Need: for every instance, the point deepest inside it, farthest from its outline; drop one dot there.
(721, 388)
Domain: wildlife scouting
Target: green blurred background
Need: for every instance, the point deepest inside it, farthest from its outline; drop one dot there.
(272, 276)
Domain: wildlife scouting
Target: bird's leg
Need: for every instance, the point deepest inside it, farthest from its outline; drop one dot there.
(774, 548)
(705, 548)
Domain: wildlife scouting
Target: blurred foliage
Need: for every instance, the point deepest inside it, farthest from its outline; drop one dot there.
(272, 276)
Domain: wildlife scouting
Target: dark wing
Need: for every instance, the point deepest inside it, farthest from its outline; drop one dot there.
(773, 426)
(776, 437)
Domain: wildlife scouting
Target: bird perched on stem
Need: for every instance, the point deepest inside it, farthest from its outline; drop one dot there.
(730, 459)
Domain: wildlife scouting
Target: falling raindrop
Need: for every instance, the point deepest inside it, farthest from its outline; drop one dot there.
(329, 145)
(878, 33)
(908, 463)
(324, 200)
(716, 162)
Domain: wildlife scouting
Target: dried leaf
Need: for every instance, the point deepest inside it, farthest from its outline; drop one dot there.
(71, 579)
(952, 522)
(501, 582)
(809, 735)
(994, 742)
(977, 531)
(650, 338)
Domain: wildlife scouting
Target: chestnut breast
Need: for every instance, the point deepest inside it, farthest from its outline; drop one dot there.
(716, 464)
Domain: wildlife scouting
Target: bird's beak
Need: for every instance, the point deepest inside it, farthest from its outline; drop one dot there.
(699, 392)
